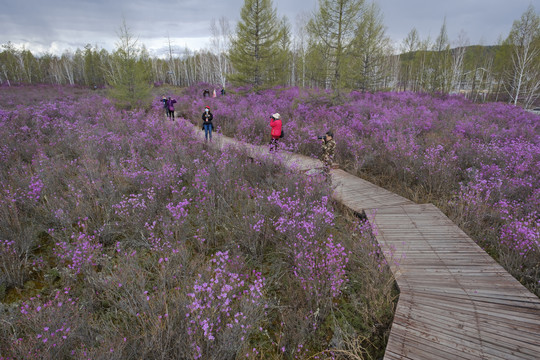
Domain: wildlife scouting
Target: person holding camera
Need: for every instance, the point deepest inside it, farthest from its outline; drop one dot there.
(207, 126)
(328, 147)
(275, 124)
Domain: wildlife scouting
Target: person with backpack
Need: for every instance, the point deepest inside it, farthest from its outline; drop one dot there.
(170, 108)
(207, 126)
(277, 132)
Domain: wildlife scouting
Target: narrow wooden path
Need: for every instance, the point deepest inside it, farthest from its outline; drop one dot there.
(455, 301)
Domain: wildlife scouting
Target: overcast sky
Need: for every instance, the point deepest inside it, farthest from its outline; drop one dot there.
(57, 25)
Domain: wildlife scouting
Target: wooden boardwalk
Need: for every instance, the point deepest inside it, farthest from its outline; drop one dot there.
(455, 301)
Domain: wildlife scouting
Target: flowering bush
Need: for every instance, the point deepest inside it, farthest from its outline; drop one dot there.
(225, 308)
(123, 236)
(478, 163)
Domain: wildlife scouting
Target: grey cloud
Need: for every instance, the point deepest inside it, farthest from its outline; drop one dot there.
(98, 21)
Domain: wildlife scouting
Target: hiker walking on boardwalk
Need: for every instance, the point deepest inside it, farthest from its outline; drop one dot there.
(275, 124)
(207, 126)
(328, 147)
(165, 105)
(170, 108)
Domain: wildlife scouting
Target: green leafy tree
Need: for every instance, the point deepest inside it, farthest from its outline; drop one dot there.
(9, 64)
(332, 30)
(256, 51)
(93, 69)
(370, 50)
(129, 75)
(29, 67)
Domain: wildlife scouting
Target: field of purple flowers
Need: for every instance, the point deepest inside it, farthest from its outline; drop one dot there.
(124, 237)
(479, 163)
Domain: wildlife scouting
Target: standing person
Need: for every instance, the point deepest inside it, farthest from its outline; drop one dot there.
(214, 93)
(207, 126)
(165, 105)
(328, 147)
(170, 108)
(206, 93)
(275, 124)
(223, 92)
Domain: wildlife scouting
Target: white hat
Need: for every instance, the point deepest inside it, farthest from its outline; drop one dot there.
(276, 116)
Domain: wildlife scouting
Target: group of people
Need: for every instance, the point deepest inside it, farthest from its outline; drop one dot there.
(206, 93)
(168, 106)
(328, 142)
(276, 125)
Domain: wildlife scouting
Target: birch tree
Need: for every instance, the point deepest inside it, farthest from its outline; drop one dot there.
(524, 39)
(171, 71)
(441, 62)
(221, 33)
(458, 55)
(411, 44)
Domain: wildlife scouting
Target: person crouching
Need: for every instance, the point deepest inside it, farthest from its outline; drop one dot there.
(328, 147)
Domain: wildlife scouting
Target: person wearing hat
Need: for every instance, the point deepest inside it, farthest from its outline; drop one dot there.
(328, 147)
(275, 124)
(207, 126)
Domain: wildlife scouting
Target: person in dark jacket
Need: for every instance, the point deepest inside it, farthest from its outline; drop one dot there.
(207, 126)
(170, 108)
(165, 105)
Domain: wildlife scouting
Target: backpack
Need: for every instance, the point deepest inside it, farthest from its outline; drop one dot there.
(282, 134)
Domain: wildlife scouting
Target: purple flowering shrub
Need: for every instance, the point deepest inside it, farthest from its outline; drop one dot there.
(226, 306)
(47, 328)
(480, 163)
(124, 236)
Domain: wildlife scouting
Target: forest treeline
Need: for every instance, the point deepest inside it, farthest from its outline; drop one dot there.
(341, 46)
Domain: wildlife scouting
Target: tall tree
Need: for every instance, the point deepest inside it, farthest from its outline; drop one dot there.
(221, 32)
(370, 50)
(332, 30)
(131, 69)
(171, 66)
(441, 62)
(256, 54)
(9, 64)
(410, 46)
(458, 54)
(524, 39)
(93, 70)
(299, 50)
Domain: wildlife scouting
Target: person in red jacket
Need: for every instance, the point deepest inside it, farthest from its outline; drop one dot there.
(275, 124)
